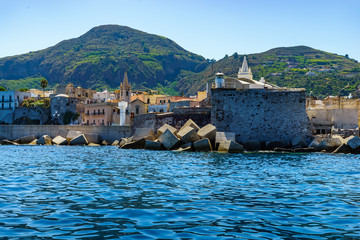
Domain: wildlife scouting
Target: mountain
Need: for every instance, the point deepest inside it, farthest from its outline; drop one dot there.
(99, 58)
(321, 72)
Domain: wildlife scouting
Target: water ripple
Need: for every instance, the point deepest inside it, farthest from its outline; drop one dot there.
(106, 193)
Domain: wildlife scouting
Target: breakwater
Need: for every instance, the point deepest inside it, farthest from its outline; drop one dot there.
(108, 133)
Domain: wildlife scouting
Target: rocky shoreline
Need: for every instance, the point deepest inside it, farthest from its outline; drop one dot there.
(190, 137)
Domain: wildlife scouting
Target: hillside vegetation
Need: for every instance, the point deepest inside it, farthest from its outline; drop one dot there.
(99, 58)
(300, 67)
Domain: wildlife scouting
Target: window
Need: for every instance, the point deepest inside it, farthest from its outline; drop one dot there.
(103, 112)
(102, 122)
(94, 113)
(10, 98)
(137, 109)
(127, 93)
(87, 122)
(2, 98)
(88, 113)
(168, 100)
(98, 111)
(9, 105)
(148, 101)
(94, 122)
(161, 110)
(2, 106)
(118, 111)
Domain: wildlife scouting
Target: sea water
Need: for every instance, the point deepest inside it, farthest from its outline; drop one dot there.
(50, 192)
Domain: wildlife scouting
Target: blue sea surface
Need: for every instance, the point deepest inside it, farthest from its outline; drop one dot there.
(51, 192)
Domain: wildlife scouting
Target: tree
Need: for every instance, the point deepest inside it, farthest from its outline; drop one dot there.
(236, 55)
(2, 89)
(43, 84)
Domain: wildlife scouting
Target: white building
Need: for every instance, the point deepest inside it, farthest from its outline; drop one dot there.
(244, 80)
(103, 96)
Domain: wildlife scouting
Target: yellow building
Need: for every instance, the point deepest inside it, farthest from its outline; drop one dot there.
(103, 114)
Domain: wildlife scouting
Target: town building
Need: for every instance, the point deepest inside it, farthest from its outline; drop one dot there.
(101, 114)
(334, 112)
(9, 101)
(74, 92)
(257, 110)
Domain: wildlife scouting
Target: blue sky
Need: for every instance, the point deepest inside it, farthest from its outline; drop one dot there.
(211, 28)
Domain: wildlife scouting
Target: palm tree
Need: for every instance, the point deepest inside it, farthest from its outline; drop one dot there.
(43, 84)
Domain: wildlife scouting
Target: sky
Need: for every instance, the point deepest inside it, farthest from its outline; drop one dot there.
(211, 28)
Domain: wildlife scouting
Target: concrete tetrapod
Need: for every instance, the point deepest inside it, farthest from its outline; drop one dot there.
(230, 147)
(354, 143)
(188, 134)
(168, 139)
(59, 140)
(139, 144)
(208, 131)
(44, 140)
(27, 139)
(151, 145)
(190, 123)
(203, 145)
(163, 128)
(79, 140)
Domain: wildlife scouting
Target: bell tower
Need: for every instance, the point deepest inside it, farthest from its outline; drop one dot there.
(125, 89)
(245, 71)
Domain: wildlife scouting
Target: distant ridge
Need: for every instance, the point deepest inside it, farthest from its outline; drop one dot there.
(98, 59)
(321, 72)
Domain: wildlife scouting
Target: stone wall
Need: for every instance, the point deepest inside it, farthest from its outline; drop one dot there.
(108, 133)
(36, 115)
(261, 114)
(177, 119)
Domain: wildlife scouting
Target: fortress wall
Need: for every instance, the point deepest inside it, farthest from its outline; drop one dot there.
(261, 114)
(109, 133)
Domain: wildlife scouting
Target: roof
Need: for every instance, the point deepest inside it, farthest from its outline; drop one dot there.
(137, 99)
(62, 95)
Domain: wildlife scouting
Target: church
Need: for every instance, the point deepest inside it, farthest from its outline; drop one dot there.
(243, 81)
(257, 110)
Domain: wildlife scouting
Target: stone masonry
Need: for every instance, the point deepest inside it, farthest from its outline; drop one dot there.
(261, 114)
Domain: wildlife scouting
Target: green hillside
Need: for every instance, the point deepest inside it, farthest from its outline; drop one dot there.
(286, 67)
(99, 58)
